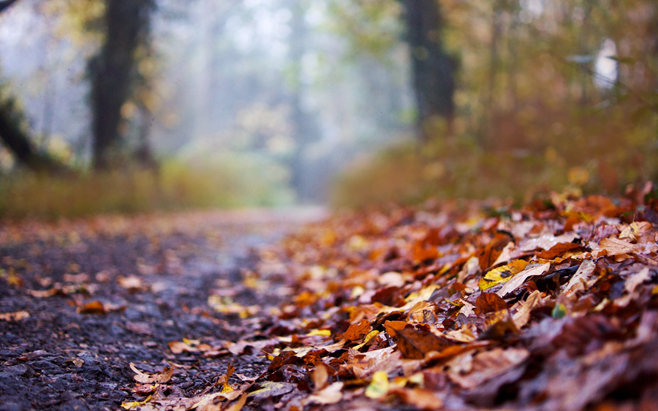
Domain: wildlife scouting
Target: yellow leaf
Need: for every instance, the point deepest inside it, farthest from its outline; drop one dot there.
(324, 333)
(501, 274)
(372, 334)
(135, 404)
(378, 386)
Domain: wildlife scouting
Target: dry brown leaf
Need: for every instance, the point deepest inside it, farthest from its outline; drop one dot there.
(356, 331)
(159, 378)
(434, 358)
(420, 398)
(238, 404)
(547, 241)
(224, 379)
(558, 250)
(15, 316)
(414, 341)
(328, 395)
(518, 279)
(488, 365)
(94, 307)
(631, 286)
(494, 249)
(43, 293)
(488, 303)
(76, 278)
(582, 279)
(421, 254)
(635, 230)
(131, 283)
(320, 375)
(270, 389)
(522, 316)
(239, 347)
(616, 247)
(178, 347)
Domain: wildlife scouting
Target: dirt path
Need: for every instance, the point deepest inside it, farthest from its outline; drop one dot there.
(80, 301)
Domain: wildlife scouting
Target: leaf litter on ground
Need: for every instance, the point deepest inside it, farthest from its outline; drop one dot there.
(462, 305)
(552, 306)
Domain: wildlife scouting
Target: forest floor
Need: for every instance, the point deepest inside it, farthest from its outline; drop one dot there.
(80, 301)
(456, 306)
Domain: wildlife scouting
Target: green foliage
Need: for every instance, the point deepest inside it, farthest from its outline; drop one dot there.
(178, 185)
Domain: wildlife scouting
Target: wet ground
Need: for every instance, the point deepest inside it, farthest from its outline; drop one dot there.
(81, 301)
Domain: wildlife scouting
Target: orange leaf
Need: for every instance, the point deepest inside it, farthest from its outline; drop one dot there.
(94, 307)
(356, 331)
(494, 248)
(489, 302)
(558, 250)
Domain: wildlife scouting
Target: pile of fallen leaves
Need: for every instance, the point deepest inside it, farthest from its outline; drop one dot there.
(458, 306)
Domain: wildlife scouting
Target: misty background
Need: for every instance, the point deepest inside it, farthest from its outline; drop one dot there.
(266, 102)
(265, 84)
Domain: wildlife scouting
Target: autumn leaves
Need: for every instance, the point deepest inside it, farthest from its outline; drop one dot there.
(456, 309)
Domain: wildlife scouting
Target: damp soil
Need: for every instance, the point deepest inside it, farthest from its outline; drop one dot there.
(153, 277)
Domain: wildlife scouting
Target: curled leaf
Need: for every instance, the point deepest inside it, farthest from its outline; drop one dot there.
(145, 378)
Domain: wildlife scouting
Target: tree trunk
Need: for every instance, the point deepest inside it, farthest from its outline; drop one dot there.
(17, 140)
(14, 136)
(113, 74)
(433, 69)
(5, 4)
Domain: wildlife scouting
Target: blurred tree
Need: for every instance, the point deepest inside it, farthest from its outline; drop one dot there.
(4, 4)
(15, 137)
(113, 73)
(14, 134)
(304, 128)
(432, 68)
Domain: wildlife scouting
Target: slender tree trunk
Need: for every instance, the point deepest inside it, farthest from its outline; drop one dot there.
(433, 69)
(113, 73)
